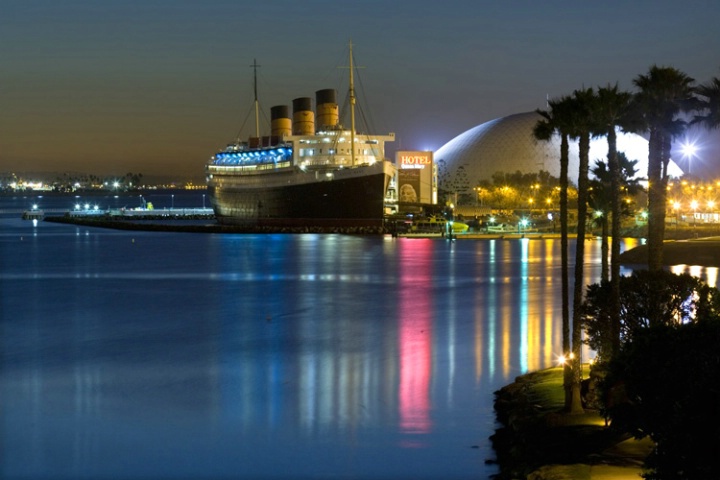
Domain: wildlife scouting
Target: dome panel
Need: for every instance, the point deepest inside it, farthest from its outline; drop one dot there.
(507, 145)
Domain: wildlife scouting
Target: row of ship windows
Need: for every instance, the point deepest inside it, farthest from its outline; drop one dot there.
(308, 152)
(260, 166)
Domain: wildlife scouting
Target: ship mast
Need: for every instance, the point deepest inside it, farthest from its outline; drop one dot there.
(352, 110)
(257, 104)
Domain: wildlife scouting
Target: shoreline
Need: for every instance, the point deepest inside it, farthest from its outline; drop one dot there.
(537, 441)
(206, 228)
(703, 251)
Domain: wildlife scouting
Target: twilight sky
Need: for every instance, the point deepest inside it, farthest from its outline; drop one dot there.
(156, 86)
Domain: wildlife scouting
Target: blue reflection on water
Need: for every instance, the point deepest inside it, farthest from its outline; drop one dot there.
(130, 354)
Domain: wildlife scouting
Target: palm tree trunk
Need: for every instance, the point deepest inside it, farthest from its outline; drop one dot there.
(615, 180)
(575, 406)
(656, 202)
(567, 371)
(604, 249)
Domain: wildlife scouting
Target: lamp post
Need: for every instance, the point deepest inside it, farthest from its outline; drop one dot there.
(688, 150)
(172, 202)
(711, 209)
(694, 206)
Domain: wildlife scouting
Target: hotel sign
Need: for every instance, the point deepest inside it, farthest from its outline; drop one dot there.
(418, 160)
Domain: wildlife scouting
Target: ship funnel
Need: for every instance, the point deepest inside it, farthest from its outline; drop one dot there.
(327, 108)
(303, 117)
(280, 122)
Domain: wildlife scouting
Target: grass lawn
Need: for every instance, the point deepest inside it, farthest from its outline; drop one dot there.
(538, 438)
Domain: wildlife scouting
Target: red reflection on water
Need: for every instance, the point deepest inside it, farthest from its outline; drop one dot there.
(415, 340)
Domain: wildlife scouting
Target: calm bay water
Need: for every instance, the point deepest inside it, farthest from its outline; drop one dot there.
(165, 355)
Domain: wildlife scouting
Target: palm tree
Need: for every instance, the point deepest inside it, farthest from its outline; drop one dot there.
(710, 93)
(665, 93)
(600, 199)
(557, 119)
(613, 110)
(583, 103)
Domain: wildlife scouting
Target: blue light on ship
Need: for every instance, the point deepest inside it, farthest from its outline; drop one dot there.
(230, 157)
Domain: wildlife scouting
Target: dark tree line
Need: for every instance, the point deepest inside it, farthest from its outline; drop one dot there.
(662, 381)
(628, 317)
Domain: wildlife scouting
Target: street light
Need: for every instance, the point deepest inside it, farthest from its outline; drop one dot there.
(172, 202)
(688, 148)
(694, 206)
(676, 207)
(522, 225)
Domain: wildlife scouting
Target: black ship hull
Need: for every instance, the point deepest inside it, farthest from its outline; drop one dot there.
(342, 198)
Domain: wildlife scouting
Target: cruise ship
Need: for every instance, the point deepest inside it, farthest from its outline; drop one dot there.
(310, 170)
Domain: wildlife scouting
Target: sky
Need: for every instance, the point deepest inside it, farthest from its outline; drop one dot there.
(107, 87)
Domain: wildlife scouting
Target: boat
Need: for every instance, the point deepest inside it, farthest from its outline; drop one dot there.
(306, 172)
(438, 225)
(459, 227)
(502, 228)
(33, 214)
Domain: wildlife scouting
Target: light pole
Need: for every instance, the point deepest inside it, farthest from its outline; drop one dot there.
(203, 200)
(694, 205)
(711, 209)
(688, 150)
(172, 202)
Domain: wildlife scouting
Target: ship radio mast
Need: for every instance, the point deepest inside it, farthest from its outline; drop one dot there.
(257, 104)
(352, 110)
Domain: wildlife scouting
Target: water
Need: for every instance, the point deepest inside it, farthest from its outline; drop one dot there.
(178, 355)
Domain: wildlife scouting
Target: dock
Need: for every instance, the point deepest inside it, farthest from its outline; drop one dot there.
(146, 214)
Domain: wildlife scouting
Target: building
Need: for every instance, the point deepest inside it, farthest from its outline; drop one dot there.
(415, 185)
(507, 145)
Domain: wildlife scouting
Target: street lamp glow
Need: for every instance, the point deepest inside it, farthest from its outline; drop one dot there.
(688, 148)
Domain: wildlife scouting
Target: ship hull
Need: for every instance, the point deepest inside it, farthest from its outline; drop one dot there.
(292, 197)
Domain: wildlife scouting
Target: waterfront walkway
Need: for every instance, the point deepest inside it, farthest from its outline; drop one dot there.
(539, 442)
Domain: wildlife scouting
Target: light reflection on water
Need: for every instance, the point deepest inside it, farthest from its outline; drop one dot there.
(130, 355)
(708, 274)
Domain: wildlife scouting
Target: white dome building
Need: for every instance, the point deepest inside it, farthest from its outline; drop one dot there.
(507, 145)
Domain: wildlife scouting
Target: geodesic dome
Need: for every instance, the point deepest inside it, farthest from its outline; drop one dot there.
(507, 145)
